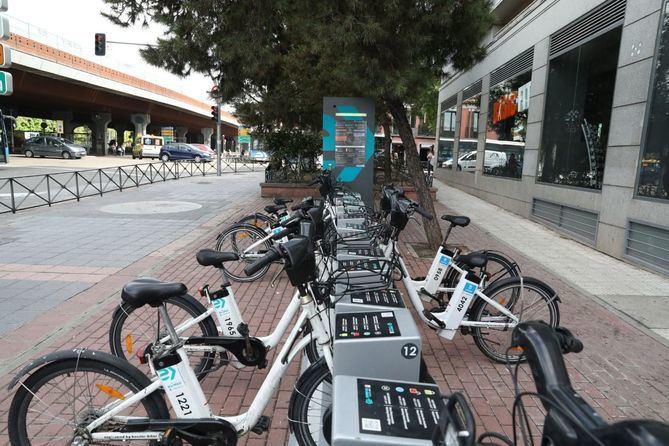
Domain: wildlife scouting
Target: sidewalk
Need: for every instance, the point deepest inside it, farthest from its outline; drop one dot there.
(628, 289)
(622, 372)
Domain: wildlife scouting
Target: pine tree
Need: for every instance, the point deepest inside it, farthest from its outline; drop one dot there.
(275, 60)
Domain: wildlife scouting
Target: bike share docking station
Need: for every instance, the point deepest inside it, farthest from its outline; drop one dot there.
(377, 400)
(379, 412)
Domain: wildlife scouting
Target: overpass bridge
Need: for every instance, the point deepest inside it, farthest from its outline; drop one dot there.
(51, 81)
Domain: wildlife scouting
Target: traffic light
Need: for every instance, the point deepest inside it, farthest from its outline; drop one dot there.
(214, 113)
(100, 44)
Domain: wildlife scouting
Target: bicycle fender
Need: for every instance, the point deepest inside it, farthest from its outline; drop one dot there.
(80, 353)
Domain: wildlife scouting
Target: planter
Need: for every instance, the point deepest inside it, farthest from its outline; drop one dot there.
(293, 190)
(287, 190)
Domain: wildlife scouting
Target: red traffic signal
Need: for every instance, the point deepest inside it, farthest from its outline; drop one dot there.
(214, 113)
(100, 44)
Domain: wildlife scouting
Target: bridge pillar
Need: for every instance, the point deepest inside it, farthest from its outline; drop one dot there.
(68, 124)
(206, 133)
(180, 133)
(141, 121)
(100, 122)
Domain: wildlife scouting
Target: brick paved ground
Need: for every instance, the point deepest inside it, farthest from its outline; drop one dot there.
(622, 371)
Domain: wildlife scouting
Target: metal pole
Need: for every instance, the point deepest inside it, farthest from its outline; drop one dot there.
(218, 140)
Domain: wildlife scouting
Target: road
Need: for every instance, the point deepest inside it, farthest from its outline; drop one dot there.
(51, 254)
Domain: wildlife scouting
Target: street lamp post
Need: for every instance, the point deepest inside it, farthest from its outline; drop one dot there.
(218, 140)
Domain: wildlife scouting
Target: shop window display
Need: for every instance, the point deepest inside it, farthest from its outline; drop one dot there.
(578, 113)
(654, 167)
(508, 107)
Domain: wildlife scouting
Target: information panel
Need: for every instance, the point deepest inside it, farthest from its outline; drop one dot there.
(381, 324)
(398, 409)
(350, 139)
(348, 143)
(384, 298)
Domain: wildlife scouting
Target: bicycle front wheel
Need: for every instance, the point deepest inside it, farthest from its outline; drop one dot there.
(310, 406)
(64, 396)
(243, 240)
(133, 328)
(527, 299)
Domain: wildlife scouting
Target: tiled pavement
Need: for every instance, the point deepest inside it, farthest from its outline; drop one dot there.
(634, 292)
(622, 371)
(55, 253)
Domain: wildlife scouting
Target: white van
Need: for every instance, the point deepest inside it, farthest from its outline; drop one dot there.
(147, 146)
(467, 161)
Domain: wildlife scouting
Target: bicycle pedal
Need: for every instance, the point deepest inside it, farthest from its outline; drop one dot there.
(428, 314)
(262, 425)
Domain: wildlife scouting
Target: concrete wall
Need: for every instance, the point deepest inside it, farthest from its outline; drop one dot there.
(616, 203)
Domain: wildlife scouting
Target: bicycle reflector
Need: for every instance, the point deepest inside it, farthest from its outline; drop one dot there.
(110, 391)
(128, 343)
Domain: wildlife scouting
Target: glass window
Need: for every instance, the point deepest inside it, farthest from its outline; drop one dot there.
(469, 130)
(507, 125)
(578, 112)
(448, 122)
(654, 168)
(445, 151)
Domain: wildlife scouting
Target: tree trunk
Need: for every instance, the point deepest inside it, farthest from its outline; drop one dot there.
(387, 145)
(432, 230)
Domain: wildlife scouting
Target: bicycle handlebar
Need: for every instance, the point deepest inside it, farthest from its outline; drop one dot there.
(421, 210)
(270, 257)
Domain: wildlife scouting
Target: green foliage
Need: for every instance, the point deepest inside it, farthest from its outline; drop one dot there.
(290, 145)
(275, 60)
(27, 124)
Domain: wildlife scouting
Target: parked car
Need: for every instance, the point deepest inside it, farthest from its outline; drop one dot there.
(259, 155)
(147, 146)
(182, 151)
(467, 161)
(205, 148)
(53, 146)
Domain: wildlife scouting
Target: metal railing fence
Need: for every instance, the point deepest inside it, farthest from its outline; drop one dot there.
(32, 191)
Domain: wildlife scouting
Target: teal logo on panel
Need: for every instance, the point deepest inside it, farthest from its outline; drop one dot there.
(219, 303)
(167, 374)
(445, 260)
(470, 288)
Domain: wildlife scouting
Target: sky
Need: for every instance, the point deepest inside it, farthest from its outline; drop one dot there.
(71, 25)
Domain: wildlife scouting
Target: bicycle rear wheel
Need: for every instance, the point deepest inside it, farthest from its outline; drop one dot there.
(527, 299)
(134, 328)
(239, 238)
(64, 395)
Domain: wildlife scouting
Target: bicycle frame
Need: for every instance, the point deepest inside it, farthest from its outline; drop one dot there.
(244, 422)
(462, 294)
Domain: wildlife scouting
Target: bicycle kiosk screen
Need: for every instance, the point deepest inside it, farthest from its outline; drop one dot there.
(350, 136)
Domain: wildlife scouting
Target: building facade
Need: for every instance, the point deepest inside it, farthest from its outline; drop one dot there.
(566, 121)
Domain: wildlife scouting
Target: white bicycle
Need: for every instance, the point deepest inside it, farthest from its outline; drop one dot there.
(84, 397)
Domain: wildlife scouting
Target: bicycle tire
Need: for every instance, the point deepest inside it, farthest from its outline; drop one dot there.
(119, 330)
(258, 220)
(18, 423)
(316, 375)
(480, 308)
(231, 239)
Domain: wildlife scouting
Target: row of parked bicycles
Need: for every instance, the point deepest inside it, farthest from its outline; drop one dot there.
(348, 324)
